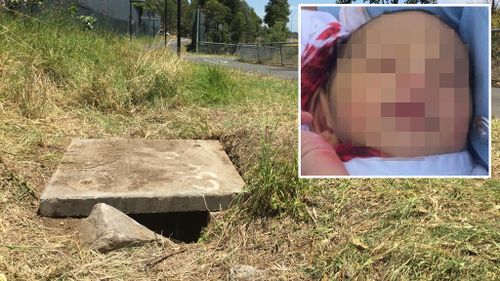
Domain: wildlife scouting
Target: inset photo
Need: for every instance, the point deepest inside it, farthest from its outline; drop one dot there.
(394, 91)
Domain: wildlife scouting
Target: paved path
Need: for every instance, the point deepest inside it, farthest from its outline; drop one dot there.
(287, 73)
(495, 102)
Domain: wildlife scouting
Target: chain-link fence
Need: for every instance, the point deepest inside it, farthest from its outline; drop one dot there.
(280, 53)
(217, 48)
(211, 35)
(284, 54)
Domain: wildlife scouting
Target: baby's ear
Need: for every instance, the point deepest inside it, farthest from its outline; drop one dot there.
(320, 110)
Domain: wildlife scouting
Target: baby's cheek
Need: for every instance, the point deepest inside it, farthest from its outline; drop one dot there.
(373, 138)
(410, 80)
(373, 120)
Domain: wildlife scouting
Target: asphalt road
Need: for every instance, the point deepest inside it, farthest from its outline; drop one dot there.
(287, 73)
(172, 44)
(292, 73)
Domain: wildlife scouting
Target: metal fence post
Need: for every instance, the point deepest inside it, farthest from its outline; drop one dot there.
(165, 22)
(197, 27)
(130, 20)
(281, 55)
(152, 33)
(258, 55)
(179, 13)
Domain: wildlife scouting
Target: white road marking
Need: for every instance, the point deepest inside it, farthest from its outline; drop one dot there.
(215, 61)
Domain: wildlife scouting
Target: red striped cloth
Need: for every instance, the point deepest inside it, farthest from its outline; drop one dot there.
(317, 60)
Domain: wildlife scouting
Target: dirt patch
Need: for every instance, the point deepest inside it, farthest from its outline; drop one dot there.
(241, 146)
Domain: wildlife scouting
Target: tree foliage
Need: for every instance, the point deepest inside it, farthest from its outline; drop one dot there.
(229, 21)
(398, 2)
(277, 11)
(277, 33)
(158, 6)
(13, 5)
(215, 24)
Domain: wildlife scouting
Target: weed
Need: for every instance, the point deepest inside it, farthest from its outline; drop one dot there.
(273, 187)
(14, 183)
(213, 85)
(157, 77)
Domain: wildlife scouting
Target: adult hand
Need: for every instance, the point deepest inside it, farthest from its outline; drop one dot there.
(318, 157)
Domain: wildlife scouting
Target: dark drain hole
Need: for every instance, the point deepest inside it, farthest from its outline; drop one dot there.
(180, 226)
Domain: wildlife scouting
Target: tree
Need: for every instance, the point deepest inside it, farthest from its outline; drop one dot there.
(237, 26)
(277, 33)
(215, 23)
(13, 5)
(253, 25)
(235, 18)
(276, 11)
(419, 2)
(227, 21)
(187, 18)
(404, 2)
(494, 3)
(158, 6)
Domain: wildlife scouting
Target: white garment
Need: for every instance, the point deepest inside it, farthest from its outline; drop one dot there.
(353, 17)
(450, 164)
(314, 22)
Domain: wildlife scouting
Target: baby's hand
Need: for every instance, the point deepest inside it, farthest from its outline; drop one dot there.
(318, 156)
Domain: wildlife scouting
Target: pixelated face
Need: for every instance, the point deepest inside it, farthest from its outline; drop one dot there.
(402, 86)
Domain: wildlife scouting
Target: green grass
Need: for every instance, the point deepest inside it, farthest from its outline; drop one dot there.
(94, 69)
(212, 85)
(273, 187)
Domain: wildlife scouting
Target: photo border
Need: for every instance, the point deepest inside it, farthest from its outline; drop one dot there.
(299, 12)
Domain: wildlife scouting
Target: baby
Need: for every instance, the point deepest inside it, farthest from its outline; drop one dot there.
(397, 102)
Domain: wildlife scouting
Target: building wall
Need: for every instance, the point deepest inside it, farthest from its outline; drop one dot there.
(117, 9)
(115, 15)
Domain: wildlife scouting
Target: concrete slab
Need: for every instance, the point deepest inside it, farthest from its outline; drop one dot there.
(141, 176)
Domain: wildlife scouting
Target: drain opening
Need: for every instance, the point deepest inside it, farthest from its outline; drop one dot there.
(180, 226)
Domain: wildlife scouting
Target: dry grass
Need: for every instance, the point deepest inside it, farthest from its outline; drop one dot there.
(366, 229)
(48, 248)
(290, 229)
(46, 100)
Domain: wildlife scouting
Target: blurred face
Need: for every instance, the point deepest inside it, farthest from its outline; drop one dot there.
(402, 86)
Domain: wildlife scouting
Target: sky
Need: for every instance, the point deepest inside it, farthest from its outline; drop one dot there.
(258, 6)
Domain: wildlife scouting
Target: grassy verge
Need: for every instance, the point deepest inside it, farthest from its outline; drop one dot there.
(60, 82)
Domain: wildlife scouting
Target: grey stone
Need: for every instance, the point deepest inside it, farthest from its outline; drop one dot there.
(108, 229)
(244, 272)
(141, 176)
